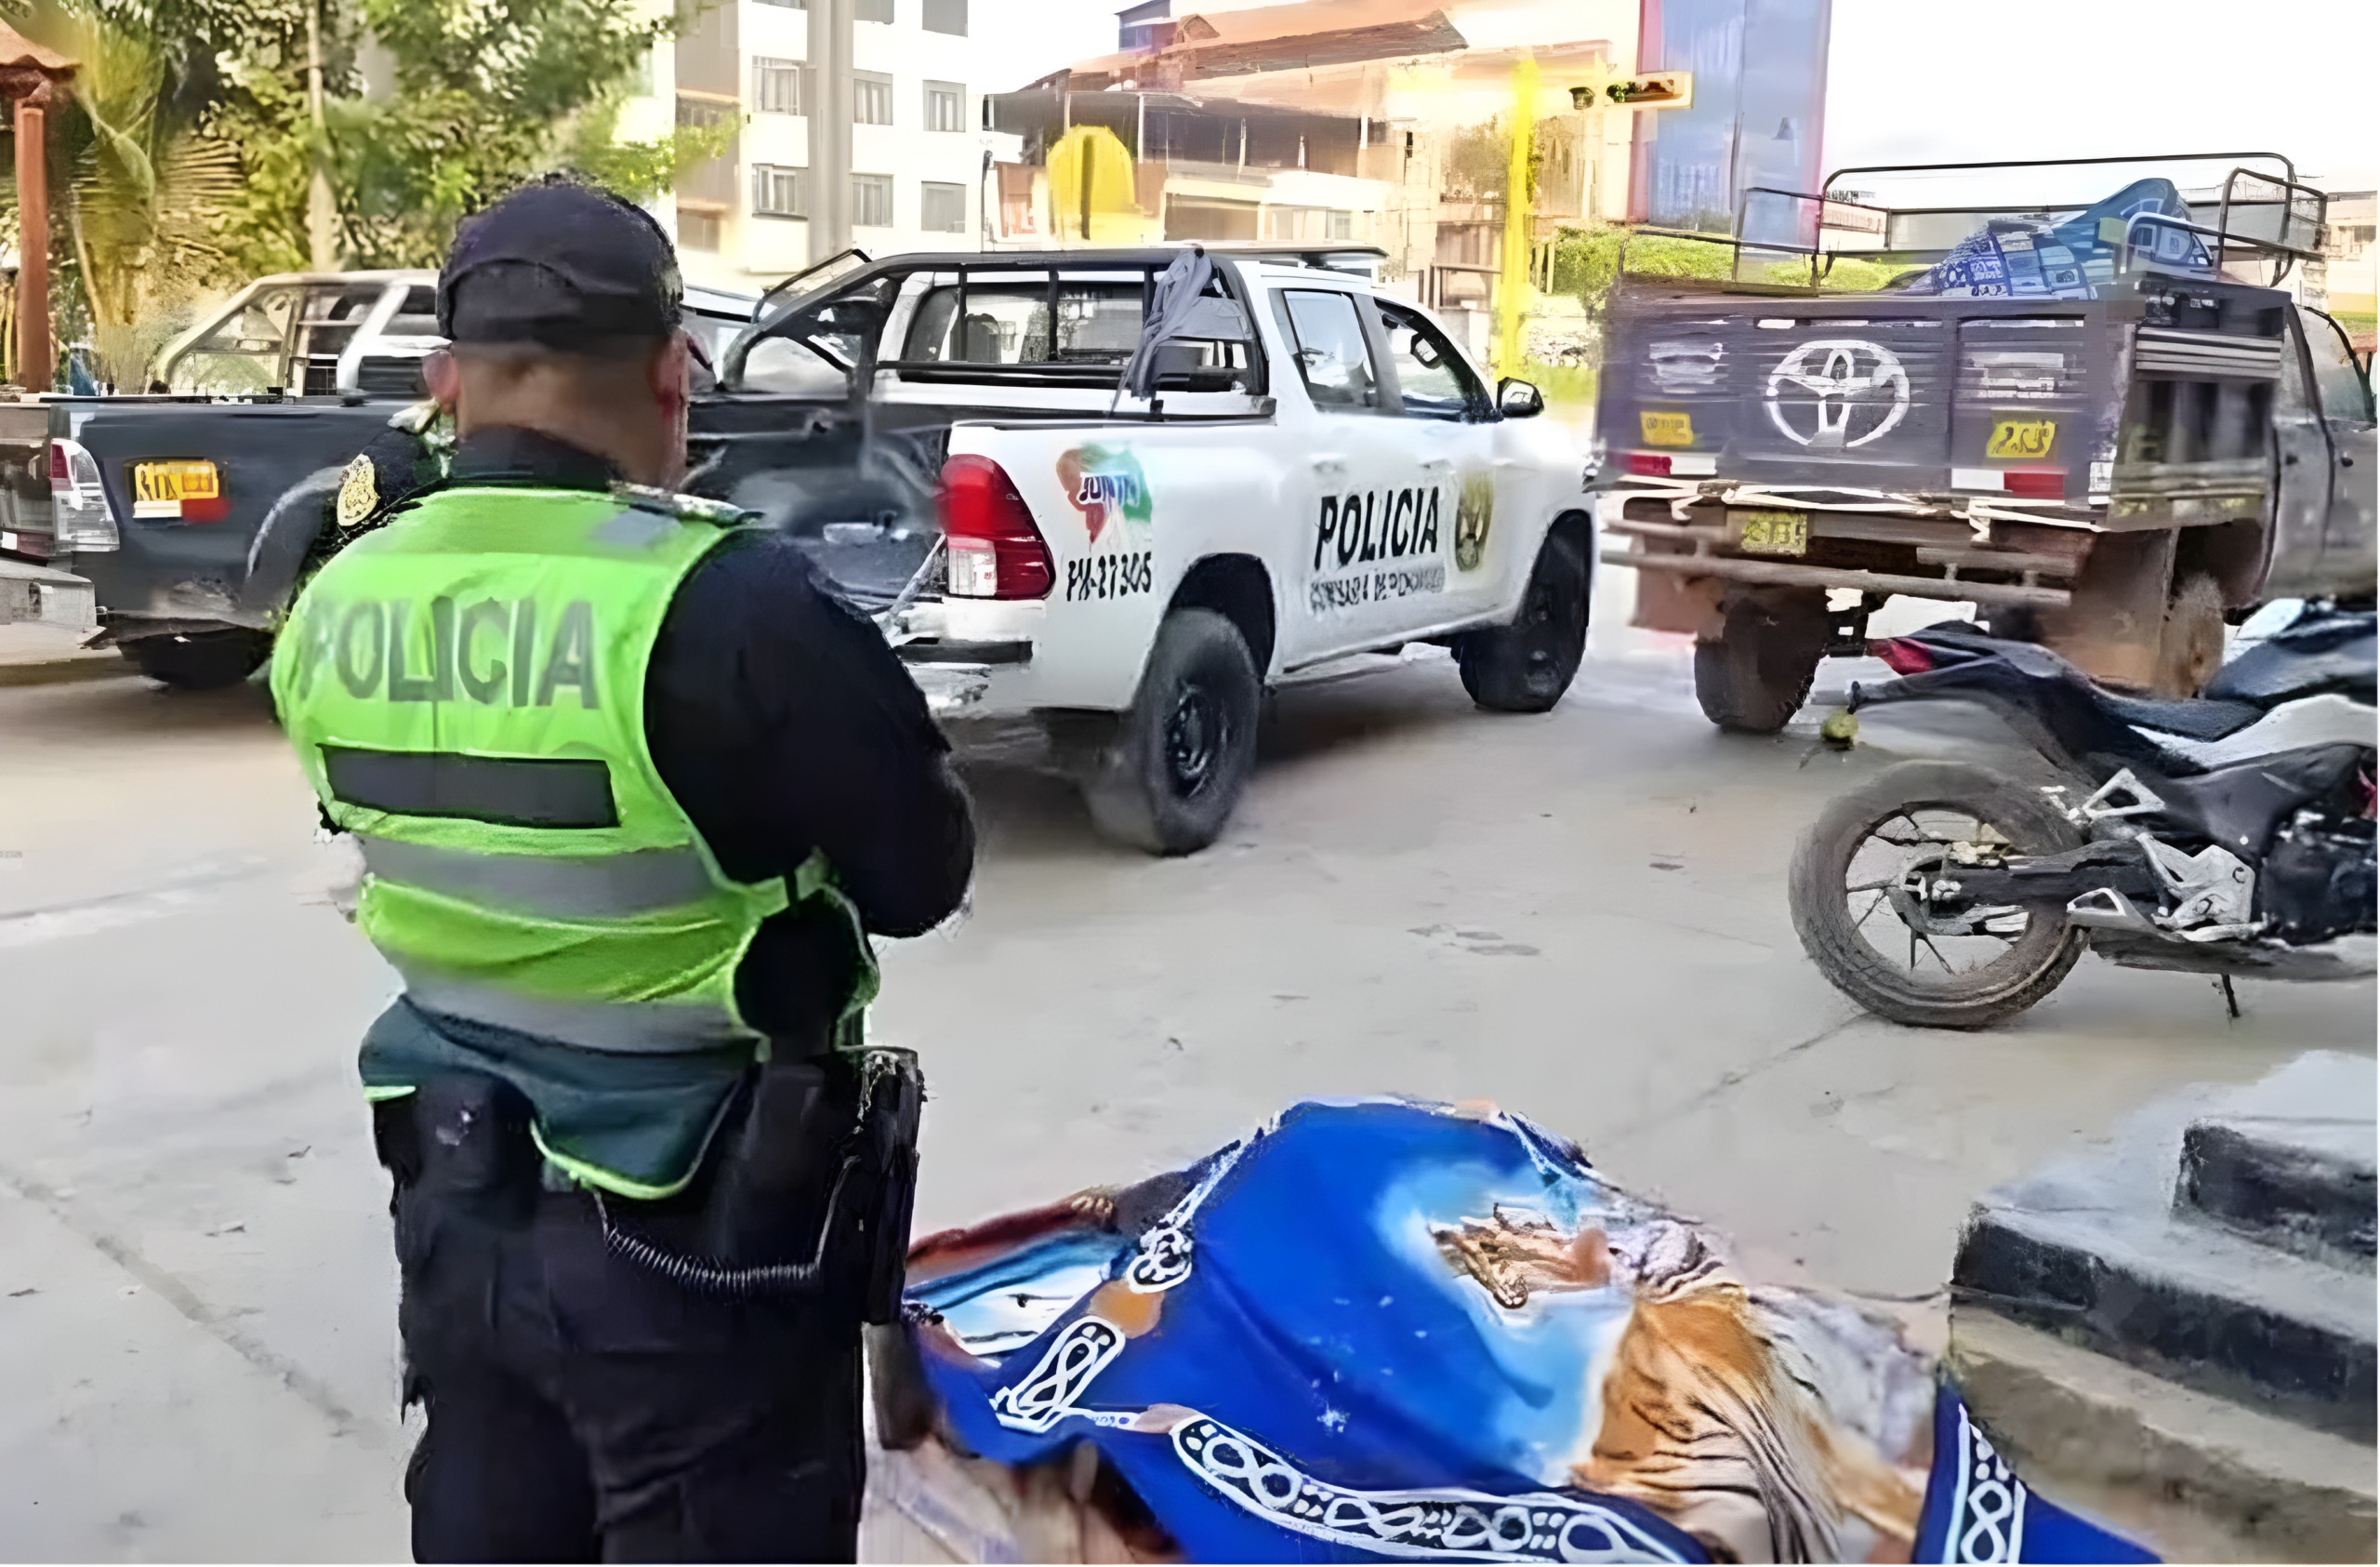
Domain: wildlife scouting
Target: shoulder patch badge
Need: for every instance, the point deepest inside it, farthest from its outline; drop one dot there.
(358, 492)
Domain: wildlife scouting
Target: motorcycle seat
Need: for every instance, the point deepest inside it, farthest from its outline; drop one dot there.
(2321, 652)
(2200, 719)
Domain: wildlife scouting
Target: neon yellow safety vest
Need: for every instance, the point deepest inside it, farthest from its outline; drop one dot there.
(465, 691)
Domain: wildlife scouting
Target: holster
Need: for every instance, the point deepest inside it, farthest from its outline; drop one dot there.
(892, 1100)
(807, 1188)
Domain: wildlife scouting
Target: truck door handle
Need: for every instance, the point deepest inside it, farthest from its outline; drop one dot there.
(1330, 465)
(1437, 465)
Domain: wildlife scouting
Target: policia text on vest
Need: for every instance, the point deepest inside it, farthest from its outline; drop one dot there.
(489, 651)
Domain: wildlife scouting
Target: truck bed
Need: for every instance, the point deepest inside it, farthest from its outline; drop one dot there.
(168, 568)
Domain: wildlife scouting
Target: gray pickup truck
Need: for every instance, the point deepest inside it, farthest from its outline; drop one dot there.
(156, 499)
(2111, 461)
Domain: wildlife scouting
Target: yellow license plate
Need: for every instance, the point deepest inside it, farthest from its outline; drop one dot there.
(2020, 439)
(159, 488)
(1776, 533)
(1662, 428)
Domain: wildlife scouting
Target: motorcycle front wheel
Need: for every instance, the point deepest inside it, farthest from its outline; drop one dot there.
(1877, 907)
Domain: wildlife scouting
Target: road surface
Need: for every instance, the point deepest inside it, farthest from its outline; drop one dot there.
(1580, 916)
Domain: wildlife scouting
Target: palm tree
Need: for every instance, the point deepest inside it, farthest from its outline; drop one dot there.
(142, 185)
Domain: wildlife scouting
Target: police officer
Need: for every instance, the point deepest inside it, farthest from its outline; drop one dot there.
(632, 791)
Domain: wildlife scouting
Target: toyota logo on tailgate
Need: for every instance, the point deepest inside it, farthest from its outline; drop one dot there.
(1856, 392)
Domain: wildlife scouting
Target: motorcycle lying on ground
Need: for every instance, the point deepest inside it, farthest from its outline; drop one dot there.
(2230, 834)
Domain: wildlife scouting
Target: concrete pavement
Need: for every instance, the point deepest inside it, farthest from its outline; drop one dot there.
(38, 654)
(1582, 916)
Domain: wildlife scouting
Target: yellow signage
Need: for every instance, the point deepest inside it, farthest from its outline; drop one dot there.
(2021, 438)
(1665, 428)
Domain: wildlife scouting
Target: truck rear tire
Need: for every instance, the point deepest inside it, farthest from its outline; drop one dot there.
(1525, 666)
(1170, 773)
(204, 661)
(1757, 675)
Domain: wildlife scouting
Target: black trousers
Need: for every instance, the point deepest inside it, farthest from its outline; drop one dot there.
(582, 1407)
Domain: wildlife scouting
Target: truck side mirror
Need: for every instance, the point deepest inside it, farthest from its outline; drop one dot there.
(1519, 399)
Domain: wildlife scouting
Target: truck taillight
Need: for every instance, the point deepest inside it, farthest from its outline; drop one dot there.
(1651, 465)
(78, 504)
(2036, 483)
(995, 551)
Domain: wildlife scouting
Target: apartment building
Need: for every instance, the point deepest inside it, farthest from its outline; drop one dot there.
(744, 219)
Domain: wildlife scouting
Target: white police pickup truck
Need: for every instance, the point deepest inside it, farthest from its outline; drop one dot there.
(1124, 491)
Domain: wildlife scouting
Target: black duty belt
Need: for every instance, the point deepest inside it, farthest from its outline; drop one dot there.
(868, 1206)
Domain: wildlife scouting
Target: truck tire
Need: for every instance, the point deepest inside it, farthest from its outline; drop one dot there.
(2035, 960)
(203, 661)
(2190, 645)
(1526, 666)
(1757, 675)
(1171, 772)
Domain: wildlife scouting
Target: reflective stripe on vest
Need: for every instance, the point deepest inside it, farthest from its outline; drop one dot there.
(638, 882)
(615, 1028)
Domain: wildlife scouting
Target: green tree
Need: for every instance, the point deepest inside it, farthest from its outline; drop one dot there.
(486, 94)
(141, 180)
(1587, 261)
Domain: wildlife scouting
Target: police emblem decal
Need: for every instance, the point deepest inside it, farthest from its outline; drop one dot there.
(358, 492)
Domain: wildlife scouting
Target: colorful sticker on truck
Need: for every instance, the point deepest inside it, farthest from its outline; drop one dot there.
(1104, 483)
(1372, 546)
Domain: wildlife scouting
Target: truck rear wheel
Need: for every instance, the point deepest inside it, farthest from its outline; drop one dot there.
(204, 661)
(1525, 666)
(1170, 773)
(1755, 677)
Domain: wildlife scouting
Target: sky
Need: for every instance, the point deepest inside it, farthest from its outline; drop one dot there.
(1914, 81)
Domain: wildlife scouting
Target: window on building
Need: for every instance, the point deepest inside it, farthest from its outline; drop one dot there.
(871, 200)
(778, 87)
(697, 230)
(707, 54)
(779, 190)
(712, 180)
(947, 16)
(946, 106)
(941, 210)
(872, 10)
(871, 98)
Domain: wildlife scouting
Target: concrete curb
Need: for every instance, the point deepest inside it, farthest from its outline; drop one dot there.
(65, 672)
(2200, 1477)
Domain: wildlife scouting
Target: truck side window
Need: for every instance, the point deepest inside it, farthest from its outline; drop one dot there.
(415, 317)
(1432, 377)
(1327, 340)
(1010, 324)
(242, 353)
(2345, 394)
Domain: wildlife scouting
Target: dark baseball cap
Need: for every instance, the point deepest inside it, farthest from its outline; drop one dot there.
(561, 264)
